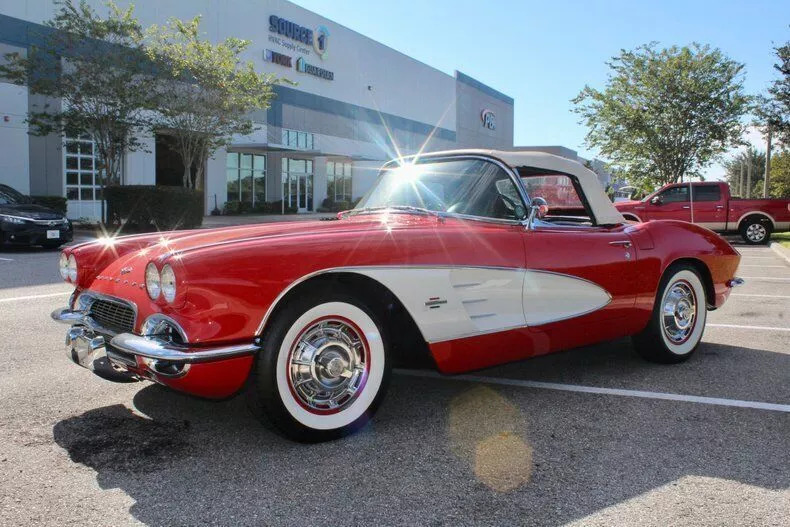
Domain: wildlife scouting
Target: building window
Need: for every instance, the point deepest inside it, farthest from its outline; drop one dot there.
(246, 174)
(338, 181)
(296, 139)
(83, 177)
(297, 184)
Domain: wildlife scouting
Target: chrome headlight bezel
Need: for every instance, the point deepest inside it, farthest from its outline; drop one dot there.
(153, 281)
(63, 266)
(72, 268)
(167, 280)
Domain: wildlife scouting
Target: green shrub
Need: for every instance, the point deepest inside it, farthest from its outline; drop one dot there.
(330, 205)
(57, 203)
(267, 207)
(145, 208)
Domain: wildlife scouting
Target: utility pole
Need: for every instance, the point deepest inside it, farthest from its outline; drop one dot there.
(740, 181)
(749, 178)
(767, 163)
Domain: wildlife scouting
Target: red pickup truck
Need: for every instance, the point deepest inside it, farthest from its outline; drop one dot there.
(711, 205)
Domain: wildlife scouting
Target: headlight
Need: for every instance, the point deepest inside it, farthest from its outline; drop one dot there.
(11, 219)
(153, 282)
(63, 266)
(72, 269)
(168, 281)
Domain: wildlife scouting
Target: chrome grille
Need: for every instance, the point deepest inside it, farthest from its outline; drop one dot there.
(113, 315)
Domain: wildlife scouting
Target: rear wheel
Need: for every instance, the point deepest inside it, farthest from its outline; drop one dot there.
(756, 230)
(678, 319)
(323, 369)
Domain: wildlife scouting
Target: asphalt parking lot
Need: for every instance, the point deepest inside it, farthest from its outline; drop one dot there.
(593, 436)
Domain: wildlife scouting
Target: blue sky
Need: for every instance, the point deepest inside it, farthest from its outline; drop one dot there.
(543, 53)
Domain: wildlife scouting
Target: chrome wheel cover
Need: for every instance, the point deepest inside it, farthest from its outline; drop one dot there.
(328, 365)
(756, 232)
(679, 312)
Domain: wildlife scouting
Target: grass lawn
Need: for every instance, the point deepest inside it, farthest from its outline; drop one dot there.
(782, 237)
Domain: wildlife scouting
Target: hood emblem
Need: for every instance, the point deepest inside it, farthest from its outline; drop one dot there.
(126, 270)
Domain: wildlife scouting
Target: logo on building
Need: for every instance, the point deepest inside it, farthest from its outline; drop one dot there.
(489, 119)
(303, 66)
(277, 58)
(321, 40)
(291, 30)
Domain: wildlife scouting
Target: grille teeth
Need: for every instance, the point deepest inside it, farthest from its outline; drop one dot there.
(114, 316)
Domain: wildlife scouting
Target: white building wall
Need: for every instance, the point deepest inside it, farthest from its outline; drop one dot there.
(15, 160)
(140, 168)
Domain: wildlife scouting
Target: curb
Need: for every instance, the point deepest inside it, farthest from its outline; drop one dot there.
(782, 251)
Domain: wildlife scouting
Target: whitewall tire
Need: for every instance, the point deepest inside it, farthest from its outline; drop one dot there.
(323, 369)
(678, 318)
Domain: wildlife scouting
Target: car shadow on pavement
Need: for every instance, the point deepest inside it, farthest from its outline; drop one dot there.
(440, 451)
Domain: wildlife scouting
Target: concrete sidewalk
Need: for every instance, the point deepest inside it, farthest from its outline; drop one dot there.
(210, 222)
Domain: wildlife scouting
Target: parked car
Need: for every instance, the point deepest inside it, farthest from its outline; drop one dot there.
(23, 223)
(447, 255)
(712, 206)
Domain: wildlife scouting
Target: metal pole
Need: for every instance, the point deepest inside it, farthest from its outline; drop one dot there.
(749, 178)
(740, 180)
(767, 163)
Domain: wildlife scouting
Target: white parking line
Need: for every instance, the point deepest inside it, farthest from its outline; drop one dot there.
(758, 405)
(766, 278)
(32, 297)
(766, 266)
(6, 260)
(739, 326)
(761, 296)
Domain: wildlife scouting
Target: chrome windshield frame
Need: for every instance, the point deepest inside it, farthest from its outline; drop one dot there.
(451, 157)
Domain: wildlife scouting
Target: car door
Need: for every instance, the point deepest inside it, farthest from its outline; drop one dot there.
(707, 207)
(672, 203)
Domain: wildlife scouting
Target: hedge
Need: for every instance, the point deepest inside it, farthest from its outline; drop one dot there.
(145, 208)
(232, 208)
(56, 203)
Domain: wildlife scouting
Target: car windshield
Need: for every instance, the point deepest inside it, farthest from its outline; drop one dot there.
(473, 187)
(9, 196)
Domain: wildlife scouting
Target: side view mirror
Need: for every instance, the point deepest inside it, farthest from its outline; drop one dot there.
(538, 209)
(656, 200)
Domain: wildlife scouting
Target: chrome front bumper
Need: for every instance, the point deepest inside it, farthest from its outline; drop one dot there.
(86, 346)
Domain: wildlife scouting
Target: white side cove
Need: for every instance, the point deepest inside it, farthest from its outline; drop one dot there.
(454, 302)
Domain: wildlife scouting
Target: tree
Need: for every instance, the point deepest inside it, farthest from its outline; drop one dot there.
(205, 91)
(774, 110)
(780, 175)
(95, 67)
(732, 167)
(665, 114)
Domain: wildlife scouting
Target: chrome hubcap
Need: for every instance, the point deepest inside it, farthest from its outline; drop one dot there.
(755, 232)
(328, 366)
(679, 312)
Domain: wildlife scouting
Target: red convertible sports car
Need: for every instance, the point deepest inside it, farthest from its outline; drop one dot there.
(451, 256)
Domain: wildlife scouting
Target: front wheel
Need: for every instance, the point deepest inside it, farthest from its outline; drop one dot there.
(678, 318)
(323, 369)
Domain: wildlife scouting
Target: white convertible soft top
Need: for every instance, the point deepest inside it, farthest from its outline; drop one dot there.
(601, 206)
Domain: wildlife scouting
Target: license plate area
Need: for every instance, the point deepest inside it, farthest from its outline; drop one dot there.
(53, 235)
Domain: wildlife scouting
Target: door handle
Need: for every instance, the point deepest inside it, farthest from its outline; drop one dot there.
(686, 207)
(719, 207)
(621, 243)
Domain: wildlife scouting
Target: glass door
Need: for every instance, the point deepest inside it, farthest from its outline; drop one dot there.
(298, 184)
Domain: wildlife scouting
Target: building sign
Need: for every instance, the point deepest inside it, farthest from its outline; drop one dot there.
(321, 41)
(277, 58)
(489, 119)
(291, 30)
(303, 66)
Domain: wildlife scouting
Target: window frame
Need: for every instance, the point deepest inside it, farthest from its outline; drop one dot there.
(254, 171)
(444, 158)
(95, 174)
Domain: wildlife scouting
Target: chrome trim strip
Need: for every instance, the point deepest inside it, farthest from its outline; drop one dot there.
(47, 223)
(155, 349)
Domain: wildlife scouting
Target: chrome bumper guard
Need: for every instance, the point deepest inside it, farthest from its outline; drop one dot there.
(735, 282)
(87, 347)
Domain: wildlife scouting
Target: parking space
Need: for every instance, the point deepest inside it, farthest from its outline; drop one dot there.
(593, 436)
